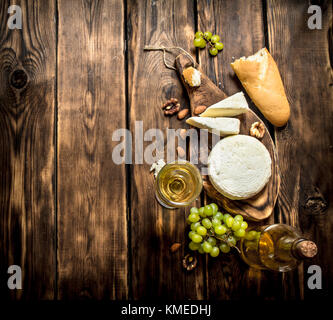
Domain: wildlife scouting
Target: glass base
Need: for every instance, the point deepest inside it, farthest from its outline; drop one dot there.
(163, 204)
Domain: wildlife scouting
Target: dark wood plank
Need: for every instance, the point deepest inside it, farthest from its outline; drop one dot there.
(91, 187)
(157, 274)
(304, 146)
(241, 28)
(27, 102)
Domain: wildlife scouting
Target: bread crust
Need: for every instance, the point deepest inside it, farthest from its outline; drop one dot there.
(262, 81)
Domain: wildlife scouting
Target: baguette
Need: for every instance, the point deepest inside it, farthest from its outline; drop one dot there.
(261, 79)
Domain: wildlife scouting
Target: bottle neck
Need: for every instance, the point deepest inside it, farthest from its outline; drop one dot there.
(304, 249)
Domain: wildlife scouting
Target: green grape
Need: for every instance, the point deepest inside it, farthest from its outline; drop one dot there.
(225, 217)
(224, 248)
(207, 247)
(250, 235)
(231, 240)
(206, 223)
(202, 231)
(216, 222)
(240, 233)
(213, 51)
(203, 44)
(202, 212)
(199, 34)
(244, 225)
(239, 218)
(214, 252)
(219, 45)
(195, 225)
(229, 222)
(207, 35)
(212, 241)
(236, 225)
(208, 210)
(215, 207)
(197, 238)
(218, 215)
(193, 217)
(191, 234)
(215, 38)
(194, 246)
(198, 42)
(194, 210)
(201, 250)
(219, 230)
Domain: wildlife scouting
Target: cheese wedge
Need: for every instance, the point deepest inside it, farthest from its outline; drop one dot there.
(222, 126)
(239, 167)
(229, 107)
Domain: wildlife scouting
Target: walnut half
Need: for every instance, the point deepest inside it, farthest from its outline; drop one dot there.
(257, 130)
(171, 107)
(189, 262)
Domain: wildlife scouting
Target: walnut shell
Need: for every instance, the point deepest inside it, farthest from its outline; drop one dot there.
(189, 262)
(257, 130)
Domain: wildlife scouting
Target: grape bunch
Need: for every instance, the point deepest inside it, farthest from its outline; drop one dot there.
(202, 38)
(212, 231)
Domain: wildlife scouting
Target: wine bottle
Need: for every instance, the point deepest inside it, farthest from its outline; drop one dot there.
(276, 247)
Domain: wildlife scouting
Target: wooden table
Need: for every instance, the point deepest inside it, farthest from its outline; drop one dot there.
(82, 226)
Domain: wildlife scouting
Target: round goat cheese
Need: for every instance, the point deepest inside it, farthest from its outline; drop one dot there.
(239, 167)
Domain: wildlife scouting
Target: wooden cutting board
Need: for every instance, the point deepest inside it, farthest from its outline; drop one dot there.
(261, 206)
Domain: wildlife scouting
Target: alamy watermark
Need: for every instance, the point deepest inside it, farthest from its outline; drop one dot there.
(315, 280)
(15, 280)
(15, 20)
(162, 144)
(315, 20)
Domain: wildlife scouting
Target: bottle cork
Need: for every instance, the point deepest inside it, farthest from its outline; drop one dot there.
(306, 249)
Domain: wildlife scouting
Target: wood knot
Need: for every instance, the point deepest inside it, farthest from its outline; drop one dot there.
(18, 79)
(315, 205)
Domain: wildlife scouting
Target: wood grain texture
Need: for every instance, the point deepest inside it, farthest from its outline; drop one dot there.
(304, 146)
(92, 237)
(241, 27)
(27, 82)
(156, 273)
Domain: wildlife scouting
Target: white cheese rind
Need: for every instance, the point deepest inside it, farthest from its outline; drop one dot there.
(229, 107)
(239, 167)
(196, 78)
(222, 126)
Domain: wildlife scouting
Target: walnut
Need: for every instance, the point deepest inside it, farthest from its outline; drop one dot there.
(171, 107)
(189, 262)
(257, 130)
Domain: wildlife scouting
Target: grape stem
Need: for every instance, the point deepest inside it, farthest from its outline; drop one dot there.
(164, 49)
(211, 44)
(225, 236)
